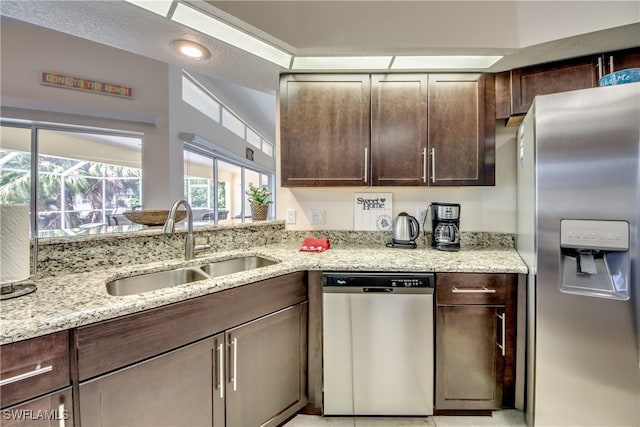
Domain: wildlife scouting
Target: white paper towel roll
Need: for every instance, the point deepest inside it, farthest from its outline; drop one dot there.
(14, 243)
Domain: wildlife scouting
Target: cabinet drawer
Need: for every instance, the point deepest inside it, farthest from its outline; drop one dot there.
(470, 288)
(33, 367)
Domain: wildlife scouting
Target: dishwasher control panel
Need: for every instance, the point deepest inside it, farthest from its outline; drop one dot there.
(379, 279)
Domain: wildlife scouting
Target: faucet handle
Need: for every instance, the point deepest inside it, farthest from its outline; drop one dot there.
(207, 245)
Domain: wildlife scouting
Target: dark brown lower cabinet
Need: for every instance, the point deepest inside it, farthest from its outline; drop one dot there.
(52, 410)
(475, 341)
(174, 389)
(469, 361)
(267, 368)
(250, 375)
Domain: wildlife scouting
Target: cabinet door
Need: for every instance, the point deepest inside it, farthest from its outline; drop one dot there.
(399, 129)
(469, 361)
(173, 389)
(544, 79)
(53, 410)
(266, 368)
(457, 129)
(324, 130)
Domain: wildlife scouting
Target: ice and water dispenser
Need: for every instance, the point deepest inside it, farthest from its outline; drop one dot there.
(596, 260)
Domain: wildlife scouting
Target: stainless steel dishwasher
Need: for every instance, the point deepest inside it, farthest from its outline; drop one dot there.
(378, 332)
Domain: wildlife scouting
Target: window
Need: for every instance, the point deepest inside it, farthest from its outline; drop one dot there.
(234, 124)
(195, 96)
(85, 180)
(204, 101)
(215, 185)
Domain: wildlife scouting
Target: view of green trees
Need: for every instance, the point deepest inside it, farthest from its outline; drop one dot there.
(70, 192)
(73, 193)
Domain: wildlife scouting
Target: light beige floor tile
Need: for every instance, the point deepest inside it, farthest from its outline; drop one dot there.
(505, 418)
(394, 422)
(318, 421)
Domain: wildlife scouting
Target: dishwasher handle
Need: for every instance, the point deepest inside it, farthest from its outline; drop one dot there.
(378, 290)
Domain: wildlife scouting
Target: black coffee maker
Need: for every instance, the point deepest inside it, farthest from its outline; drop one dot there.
(445, 226)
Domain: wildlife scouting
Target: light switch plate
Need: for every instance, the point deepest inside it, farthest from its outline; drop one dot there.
(291, 216)
(317, 216)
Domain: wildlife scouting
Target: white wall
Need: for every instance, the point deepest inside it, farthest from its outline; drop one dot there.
(490, 209)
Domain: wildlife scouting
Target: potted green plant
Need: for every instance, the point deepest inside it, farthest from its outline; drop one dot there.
(257, 197)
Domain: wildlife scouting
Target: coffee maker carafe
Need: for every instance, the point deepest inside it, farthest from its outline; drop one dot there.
(445, 226)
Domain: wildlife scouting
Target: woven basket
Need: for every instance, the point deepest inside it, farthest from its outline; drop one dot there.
(259, 212)
(153, 217)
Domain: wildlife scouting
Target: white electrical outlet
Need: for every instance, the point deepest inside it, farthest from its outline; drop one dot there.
(291, 216)
(421, 215)
(317, 216)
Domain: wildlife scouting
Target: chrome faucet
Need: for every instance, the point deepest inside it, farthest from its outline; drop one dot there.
(169, 226)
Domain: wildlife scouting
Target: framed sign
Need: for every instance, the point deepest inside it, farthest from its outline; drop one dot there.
(372, 211)
(249, 154)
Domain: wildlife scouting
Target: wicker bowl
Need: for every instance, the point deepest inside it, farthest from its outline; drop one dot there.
(153, 217)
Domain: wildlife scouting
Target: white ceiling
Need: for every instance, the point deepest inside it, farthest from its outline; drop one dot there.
(525, 32)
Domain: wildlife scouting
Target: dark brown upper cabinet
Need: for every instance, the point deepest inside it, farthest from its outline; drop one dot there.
(461, 129)
(325, 130)
(399, 129)
(516, 89)
(544, 79)
(414, 121)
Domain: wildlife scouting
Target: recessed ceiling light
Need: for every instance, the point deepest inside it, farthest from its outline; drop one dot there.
(211, 26)
(341, 62)
(191, 49)
(443, 61)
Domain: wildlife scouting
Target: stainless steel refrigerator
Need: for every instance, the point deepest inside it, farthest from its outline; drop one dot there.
(578, 208)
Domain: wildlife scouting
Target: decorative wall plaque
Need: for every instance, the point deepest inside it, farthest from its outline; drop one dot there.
(86, 85)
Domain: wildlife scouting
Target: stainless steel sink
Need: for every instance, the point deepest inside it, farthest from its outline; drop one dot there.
(235, 265)
(163, 279)
(153, 281)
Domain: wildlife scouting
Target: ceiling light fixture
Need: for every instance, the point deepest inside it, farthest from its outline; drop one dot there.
(341, 62)
(209, 25)
(191, 49)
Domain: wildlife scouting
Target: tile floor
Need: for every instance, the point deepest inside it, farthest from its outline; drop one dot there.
(505, 418)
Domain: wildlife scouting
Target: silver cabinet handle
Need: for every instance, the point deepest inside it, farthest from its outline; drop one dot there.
(611, 70)
(220, 350)
(433, 164)
(424, 164)
(366, 165)
(61, 415)
(599, 67)
(234, 370)
(38, 371)
(501, 345)
(473, 291)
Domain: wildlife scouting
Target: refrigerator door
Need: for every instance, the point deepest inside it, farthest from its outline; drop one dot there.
(586, 151)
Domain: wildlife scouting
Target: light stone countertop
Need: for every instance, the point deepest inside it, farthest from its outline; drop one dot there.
(74, 300)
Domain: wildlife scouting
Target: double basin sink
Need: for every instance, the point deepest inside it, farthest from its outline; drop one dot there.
(179, 276)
